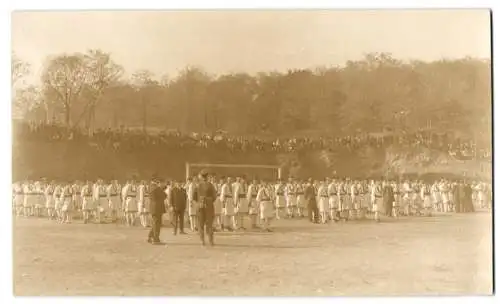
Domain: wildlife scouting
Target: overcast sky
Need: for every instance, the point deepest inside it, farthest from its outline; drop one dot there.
(250, 41)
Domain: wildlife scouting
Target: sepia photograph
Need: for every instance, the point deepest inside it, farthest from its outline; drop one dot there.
(252, 152)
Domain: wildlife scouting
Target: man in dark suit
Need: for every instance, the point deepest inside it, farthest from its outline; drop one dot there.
(178, 199)
(387, 197)
(205, 195)
(310, 198)
(156, 209)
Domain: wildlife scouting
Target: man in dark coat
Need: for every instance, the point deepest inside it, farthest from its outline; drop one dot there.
(310, 198)
(178, 199)
(205, 194)
(468, 206)
(156, 209)
(387, 198)
(459, 197)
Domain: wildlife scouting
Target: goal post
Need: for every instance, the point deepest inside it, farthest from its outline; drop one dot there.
(190, 166)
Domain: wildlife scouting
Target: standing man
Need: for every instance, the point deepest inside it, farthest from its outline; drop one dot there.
(310, 198)
(205, 194)
(157, 209)
(178, 200)
(388, 198)
(377, 200)
(192, 203)
(265, 205)
(253, 205)
(291, 197)
(226, 197)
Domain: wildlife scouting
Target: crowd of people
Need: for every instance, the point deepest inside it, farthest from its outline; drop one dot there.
(131, 139)
(241, 204)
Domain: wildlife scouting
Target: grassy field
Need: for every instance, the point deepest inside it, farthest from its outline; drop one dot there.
(441, 255)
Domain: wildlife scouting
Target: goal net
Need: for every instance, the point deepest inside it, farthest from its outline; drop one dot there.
(225, 170)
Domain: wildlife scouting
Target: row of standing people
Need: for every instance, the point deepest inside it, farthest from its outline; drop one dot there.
(323, 201)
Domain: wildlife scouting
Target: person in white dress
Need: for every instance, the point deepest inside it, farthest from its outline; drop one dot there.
(264, 199)
(445, 198)
(49, 200)
(279, 194)
(66, 199)
(301, 202)
(323, 202)
(192, 203)
(218, 212)
(113, 195)
(142, 201)
(377, 200)
(129, 197)
(241, 202)
(333, 200)
(253, 206)
(29, 198)
(291, 197)
(226, 196)
(87, 201)
(19, 198)
(425, 194)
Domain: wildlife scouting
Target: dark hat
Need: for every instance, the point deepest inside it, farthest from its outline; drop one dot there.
(204, 173)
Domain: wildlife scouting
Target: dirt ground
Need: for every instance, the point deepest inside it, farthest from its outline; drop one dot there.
(441, 255)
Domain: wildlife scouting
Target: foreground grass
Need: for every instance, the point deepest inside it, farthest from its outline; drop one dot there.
(442, 255)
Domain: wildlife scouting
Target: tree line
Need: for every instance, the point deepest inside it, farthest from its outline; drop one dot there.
(376, 93)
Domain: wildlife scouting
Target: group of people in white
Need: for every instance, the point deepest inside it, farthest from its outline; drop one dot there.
(328, 200)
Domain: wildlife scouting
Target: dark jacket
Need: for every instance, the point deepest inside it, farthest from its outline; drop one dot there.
(205, 194)
(388, 195)
(178, 198)
(157, 203)
(310, 194)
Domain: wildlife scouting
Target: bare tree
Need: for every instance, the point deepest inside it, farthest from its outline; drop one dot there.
(19, 69)
(64, 77)
(103, 72)
(26, 100)
(144, 83)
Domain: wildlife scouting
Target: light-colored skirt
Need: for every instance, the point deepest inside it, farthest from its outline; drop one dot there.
(333, 202)
(66, 205)
(280, 201)
(217, 206)
(323, 204)
(30, 200)
(228, 206)
(266, 209)
(130, 204)
(242, 206)
(346, 202)
(113, 203)
(57, 203)
(192, 208)
(19, 200)
(356, 202)
(436, 197)
(253, 207)
(397, 199)
(291, 201)
(378, 205)
(301, 201)
(87, 203)
(143, 205)
(101, 204)
(427, 201)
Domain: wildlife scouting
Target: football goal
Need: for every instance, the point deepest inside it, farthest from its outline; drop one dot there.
(234, 169)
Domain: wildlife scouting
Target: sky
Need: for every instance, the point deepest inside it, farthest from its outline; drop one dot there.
(165, 42)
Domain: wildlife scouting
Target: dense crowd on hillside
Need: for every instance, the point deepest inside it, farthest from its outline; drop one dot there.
(130, 139)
